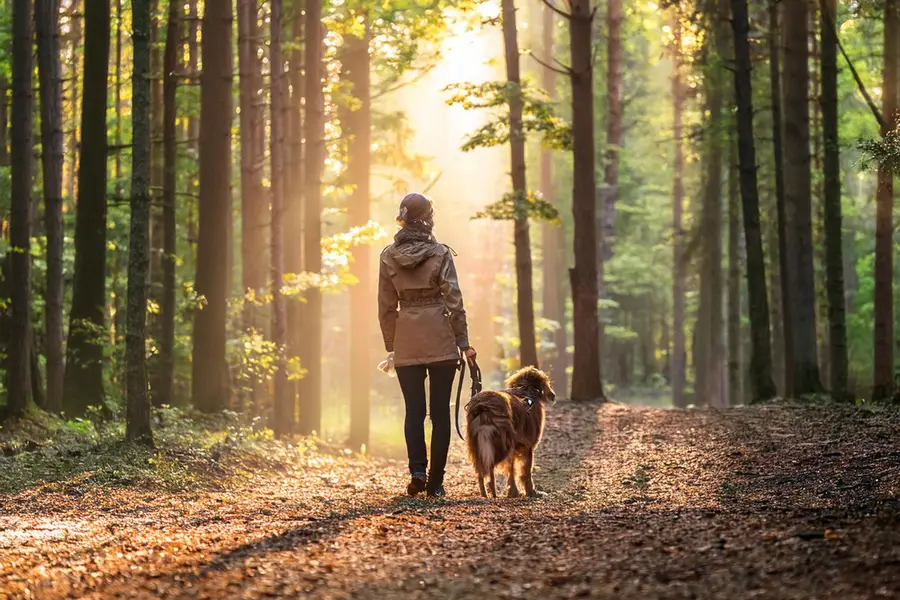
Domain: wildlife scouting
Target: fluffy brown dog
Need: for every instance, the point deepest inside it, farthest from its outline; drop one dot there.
(504, 428)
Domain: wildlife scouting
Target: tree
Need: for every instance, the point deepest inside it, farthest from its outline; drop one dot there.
(735, 354)
(883, 376)
(138, 398)
(803, 360)
(311, 388)
(284, 401)
(358, 123)
(763, 387)
(614, 18)
(83, 383)
(19, 351)
(679, 354)
(209, 376)
(522, 235)
(553, 238)
(50, 75)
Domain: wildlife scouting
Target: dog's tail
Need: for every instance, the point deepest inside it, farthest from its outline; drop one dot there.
(488, 431)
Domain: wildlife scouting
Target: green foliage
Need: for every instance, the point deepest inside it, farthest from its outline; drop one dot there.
(884, 152)
(515, 206)
(538, 115)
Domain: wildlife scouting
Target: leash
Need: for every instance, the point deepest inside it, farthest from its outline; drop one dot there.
(476, 386)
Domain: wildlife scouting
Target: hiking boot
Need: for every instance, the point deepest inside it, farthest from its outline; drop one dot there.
(435, 487)
(417, 484)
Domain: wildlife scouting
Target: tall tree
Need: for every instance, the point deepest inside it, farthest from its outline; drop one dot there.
(614, 18)
(834, 255)
(883, 377)
(763, 387)
(83, 383)
(4, 123)
(798, 199)
(735, 358)
(163, 387)
(553, 236)
(679, 353)
(138, 397)
(50, 75)
(311, 389)
(522, 232)
(357, 70)
(209, 374)
(284, 401)
(586, 381)
(19, 351)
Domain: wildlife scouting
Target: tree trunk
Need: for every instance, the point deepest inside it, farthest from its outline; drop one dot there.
(883, 377)
(586, 381)
(163, 386)
(735, 358)
(798, 199)
(311, 389)
(834, 255)
(284, 401)
(763, 387)
(74, 71)
(522, 231)
(614, 17)
(157, 170)
(193, 136)
(137, 425)
(786, 343)
(359, 131)
(19, 350)
(4, 124)
(209, 372)
(679, 353)
(50, 74)
(83, 382)
(553, 239)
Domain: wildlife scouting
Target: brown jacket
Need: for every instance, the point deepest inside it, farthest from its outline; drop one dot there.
(420, 305)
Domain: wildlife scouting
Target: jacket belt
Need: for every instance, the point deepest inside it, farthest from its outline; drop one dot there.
(418, 302)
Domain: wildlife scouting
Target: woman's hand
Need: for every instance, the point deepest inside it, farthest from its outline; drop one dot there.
(470, 354)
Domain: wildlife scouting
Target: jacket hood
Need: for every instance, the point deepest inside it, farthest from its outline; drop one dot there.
(410, 255)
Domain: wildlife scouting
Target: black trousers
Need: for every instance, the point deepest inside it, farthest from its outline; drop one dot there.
(412, 384)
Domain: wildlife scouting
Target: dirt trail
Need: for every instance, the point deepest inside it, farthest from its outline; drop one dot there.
(768, 502)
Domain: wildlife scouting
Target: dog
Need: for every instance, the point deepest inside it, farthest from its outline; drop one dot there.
(504, 428)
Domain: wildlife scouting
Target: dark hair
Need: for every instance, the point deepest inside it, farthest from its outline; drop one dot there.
(416, 211)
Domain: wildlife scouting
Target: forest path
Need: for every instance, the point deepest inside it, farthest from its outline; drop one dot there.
(764, 502)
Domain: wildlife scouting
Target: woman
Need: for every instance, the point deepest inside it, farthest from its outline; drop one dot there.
(423, 323)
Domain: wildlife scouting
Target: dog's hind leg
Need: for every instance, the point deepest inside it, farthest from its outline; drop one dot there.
(513, 491)
(492, 485)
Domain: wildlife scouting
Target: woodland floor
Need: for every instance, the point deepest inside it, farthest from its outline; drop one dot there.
(779, 501)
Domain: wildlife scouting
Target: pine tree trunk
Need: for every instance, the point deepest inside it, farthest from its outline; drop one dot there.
(798, 199)
(19, 349)
(50, 74)
(586, 381)
(193, 136)
(786, 343)
(311, 385)
(157, 169)
(883, 377)
(679, 352)
(163, 386)
(4, 124)
(553, 239)
(359, 129)
(284, 401)
(73, 75)
(735, 358)
(138, 398)
(209, 372)
(83, 382)
(834, 255)
(763, 387)
(614, 17)
(522, 232)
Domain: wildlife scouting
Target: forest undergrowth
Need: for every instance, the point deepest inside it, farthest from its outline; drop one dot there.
(773, 501)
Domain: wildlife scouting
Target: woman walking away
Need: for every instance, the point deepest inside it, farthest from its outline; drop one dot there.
(423, 323)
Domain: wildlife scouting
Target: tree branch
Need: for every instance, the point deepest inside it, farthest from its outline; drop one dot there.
(562, 13)
(567, 71)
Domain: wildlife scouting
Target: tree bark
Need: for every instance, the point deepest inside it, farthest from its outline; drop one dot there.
(359, 130)
(735, 358)
(163, 387)
(883, 377)
(209, 371)
(553, 239)
(137, 424)
(763, 387)
(586, 381)
(798, 199)
(679, 352)
(834, 255)
(522, 231)
(19, 350)
(311, 387)
(74, 71)
(83, 381)
(614, 17)
(50, 75)
(4, 124)
(787, 341)
(157, 175)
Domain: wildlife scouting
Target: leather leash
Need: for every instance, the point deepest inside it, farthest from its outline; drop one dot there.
(476, 386)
